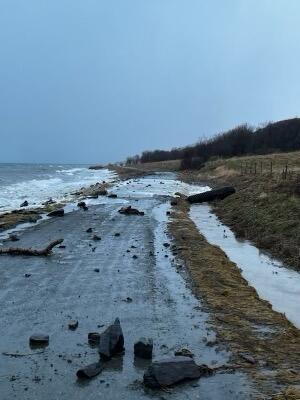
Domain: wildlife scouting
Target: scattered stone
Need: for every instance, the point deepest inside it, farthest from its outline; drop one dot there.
(102, 192)
(173, 203)
(90, 371)
(13, 237)
(166, 245)
(97, 270)
(135, 256)
(111, 341)
(128, 300)
(117, 234)
(57, 213)
(24, 204)
(27, 275)
(174, 370)
(112, 196)
(94, 337)
(73, 324)
(143, 348)
(184, 352)
(130, 211)
(49, 202)
(96, 237)
(82, 205)
(39, 339)
(62, 246)
(89, 230)
(168, 213)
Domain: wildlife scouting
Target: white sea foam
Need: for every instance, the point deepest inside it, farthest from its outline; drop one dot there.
(57, 184)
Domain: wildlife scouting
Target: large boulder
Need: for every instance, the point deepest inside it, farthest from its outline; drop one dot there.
(174, 370)
(111, 341)
(210, 195)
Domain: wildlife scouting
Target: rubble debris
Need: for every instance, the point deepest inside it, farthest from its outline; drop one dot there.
(96, 237)
(130, 211)
(39, 339)
(143, 348)
(73, 324)
(82, 205)
(111, 341)
(13, 237)
(90, 371)
(174, 370)
(184, 352)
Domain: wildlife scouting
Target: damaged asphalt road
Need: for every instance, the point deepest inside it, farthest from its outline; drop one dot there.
(66, 287)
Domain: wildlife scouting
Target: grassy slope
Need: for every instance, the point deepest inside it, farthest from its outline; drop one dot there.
(265, 208)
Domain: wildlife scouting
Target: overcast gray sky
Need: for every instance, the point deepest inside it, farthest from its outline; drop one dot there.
(97, 80)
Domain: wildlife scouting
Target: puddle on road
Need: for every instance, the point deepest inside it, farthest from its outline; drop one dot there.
(272, 281)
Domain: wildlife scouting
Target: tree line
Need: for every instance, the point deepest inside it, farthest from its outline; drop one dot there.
(281, 136)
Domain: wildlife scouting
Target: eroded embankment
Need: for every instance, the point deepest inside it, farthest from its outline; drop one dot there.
(265, 209)
(242, 320)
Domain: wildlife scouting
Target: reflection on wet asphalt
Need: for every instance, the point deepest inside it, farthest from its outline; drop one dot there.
(65, 286)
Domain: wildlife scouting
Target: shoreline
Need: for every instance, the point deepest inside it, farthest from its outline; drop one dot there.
(235, 309)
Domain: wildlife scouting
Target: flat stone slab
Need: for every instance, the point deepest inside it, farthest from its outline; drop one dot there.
(170, 371)
(90, 371)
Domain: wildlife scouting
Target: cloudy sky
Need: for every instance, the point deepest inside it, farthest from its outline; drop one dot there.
(97, 80)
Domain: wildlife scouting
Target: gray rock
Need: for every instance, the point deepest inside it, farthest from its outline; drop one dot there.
(90, 371)
(89, 230)
(39, 339)
(13, 237)
(143, 348)
(174, 370)
(24, 204)
(96, 237)
(130, 211)
(73, 324)
(111, 341)
(57, 213)
(94, 337)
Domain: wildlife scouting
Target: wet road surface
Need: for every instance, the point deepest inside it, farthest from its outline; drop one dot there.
(65, 286)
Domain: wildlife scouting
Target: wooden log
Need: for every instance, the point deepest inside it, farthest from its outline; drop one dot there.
(16, 251)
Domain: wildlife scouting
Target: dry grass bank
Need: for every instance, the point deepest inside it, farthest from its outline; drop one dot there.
(243, 321)
(265, 208)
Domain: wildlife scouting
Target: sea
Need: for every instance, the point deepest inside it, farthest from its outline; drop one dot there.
(37, 183)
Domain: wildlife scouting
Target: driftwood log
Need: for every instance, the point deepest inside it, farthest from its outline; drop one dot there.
(16, 251)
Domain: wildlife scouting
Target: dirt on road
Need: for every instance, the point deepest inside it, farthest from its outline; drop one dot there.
(129, 274)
